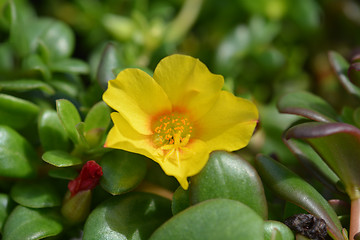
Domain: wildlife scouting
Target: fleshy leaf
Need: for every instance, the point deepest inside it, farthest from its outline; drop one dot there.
(51, 132)
(213, 219)
(66, 85)
(16, 112)
(108, 62)
(6, 56)
(98, 117)
(76, 208)
(31, 224)
(348, 115)
(307, 105)
(180, 200)
(20, 35)
(292, 188)
(35, 63)
(70, 65)
(23, 85)
(4, 209)
(63, 173)
(301, 237)
(122, 170)
(337, 144)
(17, 157)
(313, 163)
(281, 230)
(69, 117)
(340, 67)
(130, 216)
(81, 133)
(35, 194)
(228, 176)
(60, 158)
(58, 38)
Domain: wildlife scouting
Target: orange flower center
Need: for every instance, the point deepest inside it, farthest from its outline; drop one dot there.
(171, 132)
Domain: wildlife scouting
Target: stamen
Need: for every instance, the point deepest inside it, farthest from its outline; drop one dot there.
(171, 134)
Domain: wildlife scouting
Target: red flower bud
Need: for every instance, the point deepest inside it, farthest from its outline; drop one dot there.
(88, 178)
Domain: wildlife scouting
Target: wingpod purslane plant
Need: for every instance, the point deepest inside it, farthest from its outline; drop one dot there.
(334, 137)
(178, 116)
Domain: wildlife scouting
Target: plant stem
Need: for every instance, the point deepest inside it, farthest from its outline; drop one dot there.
(184, 20)
(155, 189)
(354, 218)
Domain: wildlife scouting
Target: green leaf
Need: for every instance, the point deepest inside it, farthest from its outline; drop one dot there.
(60, 158)
(63, 173)
(213, 219)
(98, 117)
(338, 145)
(4, 209)
(292, 188)
(228, 176)
(17, 157)
(307, 105)
(262, 32)
(23, 85)
(131, 216)
(313, 162)
(16, 112)
(348, 115)
(69, 117)
(64, 86)
(76, 208)
(305, 13)
(31, 224)
(180, 200)
(39, 194)
(20, 35)
(122, 171)
(233, 48)
(81, 133)
(341, 67)
(109, 61)
(280, 228)
(51, 132)
(58, 38)
(35, 63)
(301, 237)
(6, 57)
(70, 65)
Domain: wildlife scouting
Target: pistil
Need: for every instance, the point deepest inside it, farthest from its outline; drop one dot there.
(172, 133)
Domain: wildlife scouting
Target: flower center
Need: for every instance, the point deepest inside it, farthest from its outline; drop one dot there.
(171, 133)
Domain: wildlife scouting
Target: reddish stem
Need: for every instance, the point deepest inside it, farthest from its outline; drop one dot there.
(354, 218)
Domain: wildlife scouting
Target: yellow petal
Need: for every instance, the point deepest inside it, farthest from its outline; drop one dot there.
(138, 97)
(230, 124)
(123, 136)
(188, 83)
(192, 159)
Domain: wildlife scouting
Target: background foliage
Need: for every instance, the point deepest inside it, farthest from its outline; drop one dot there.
(56, 58)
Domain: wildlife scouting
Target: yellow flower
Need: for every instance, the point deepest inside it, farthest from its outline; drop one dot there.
(178, 116)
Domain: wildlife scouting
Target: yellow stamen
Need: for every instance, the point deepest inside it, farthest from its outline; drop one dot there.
(171, 133)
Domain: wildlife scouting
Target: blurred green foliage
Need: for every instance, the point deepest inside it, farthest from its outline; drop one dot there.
(68, 50)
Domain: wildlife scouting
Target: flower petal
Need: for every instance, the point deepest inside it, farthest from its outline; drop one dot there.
(137, 96)
(123, 136)
(188, 83)
(230, 124)
(192, 159)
